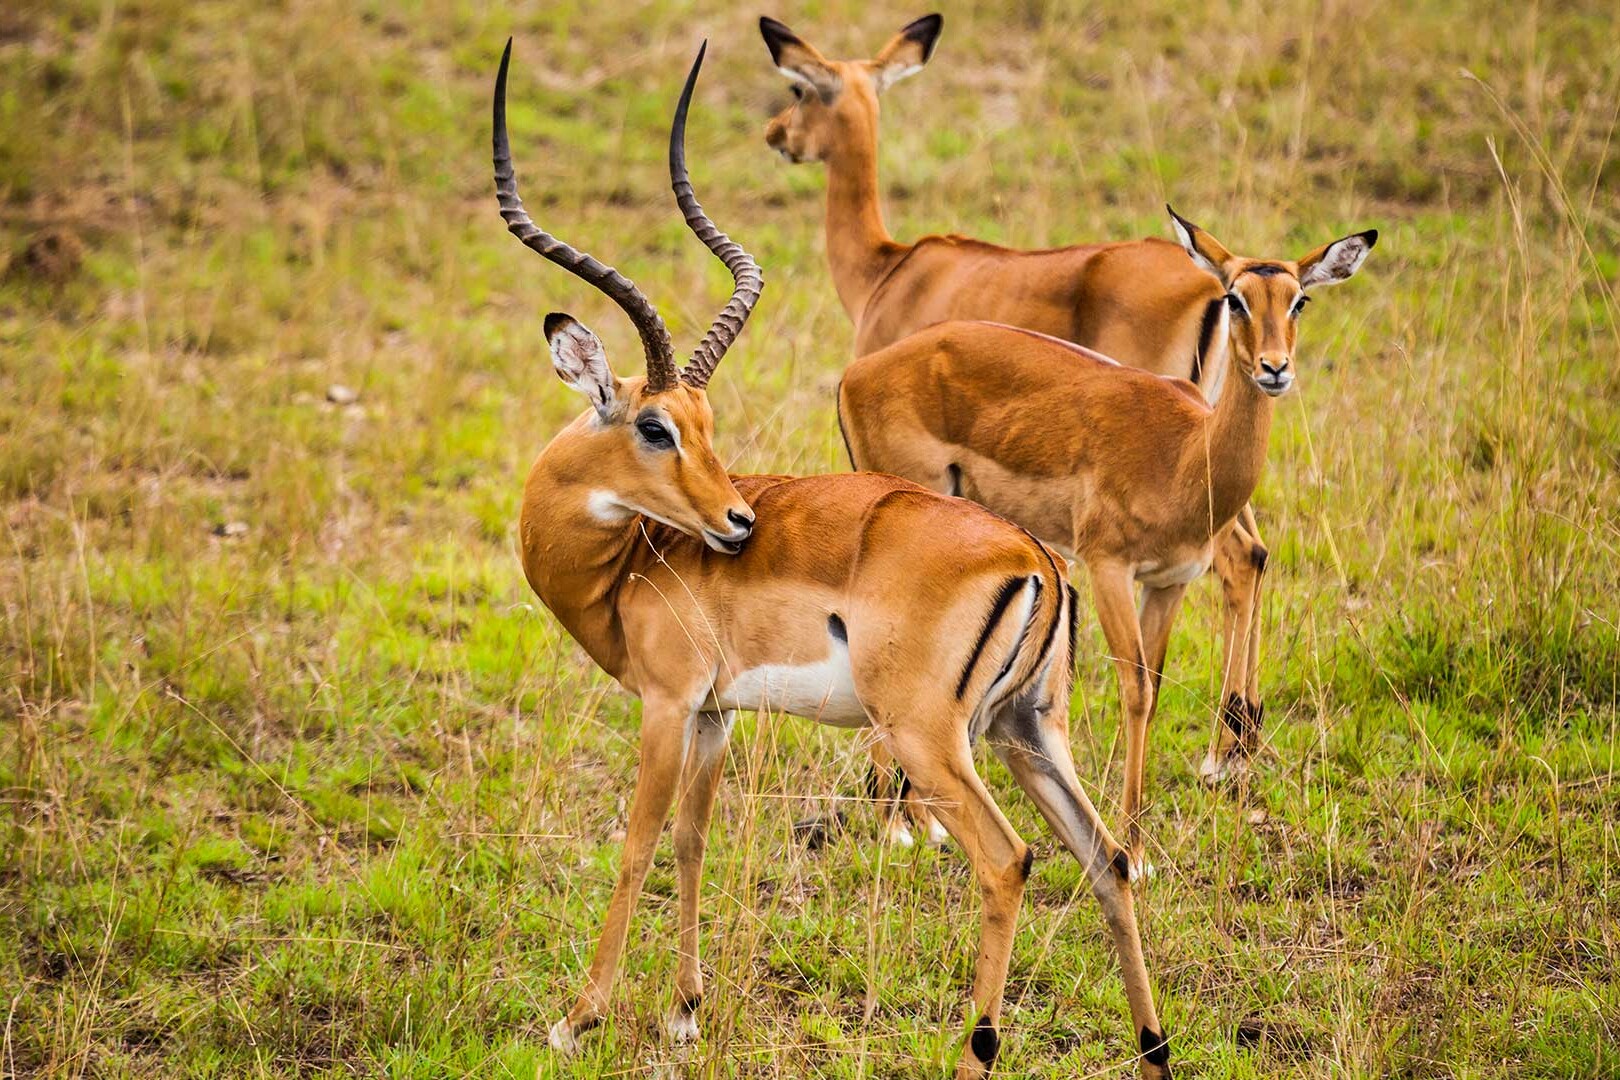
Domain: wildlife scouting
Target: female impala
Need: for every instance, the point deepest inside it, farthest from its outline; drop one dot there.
(857, 600)
(1140, 302)
(1128, 471)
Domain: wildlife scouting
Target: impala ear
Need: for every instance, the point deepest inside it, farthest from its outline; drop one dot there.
(1202, 248)
(799, 60)
(907, 51)
(582, 363)
(1336, 262)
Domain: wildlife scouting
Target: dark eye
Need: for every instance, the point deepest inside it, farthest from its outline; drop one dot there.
(798, 92)
(655, 433)
(1299, 306)
(1235, 302)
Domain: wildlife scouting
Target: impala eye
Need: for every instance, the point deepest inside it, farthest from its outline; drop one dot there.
(655, 434)
(1299, 306)
(798, 92)
(1235, 302)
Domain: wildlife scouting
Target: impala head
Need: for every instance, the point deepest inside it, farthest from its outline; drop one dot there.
(1265, 297)
(836, 101)
(652, 436)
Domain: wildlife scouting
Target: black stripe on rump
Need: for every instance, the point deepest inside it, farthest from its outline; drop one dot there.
(1023, 633)
(843, 432)
(1009, 589)
(1206, 334)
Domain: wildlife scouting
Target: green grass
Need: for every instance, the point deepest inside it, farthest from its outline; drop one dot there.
(335, 796)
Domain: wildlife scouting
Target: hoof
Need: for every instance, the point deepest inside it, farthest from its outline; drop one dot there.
(562, 1038)
(682, 1026)
(1218, 770)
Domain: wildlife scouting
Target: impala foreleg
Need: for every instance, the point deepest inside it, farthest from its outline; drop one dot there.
(664, 735)
(941, 768)
(1111, 589)
(1240, 561)
(1036, 751)
(700, 779)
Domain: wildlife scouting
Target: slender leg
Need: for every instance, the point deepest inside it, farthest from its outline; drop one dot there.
(1155, 617)
(699, 781)
(1111, 592)
(893, 791)
(942, 770)
(1259, 556)
(664, 730)
(1240, 560)
(1036, 750)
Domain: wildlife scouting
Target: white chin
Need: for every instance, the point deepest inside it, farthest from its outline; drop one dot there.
(724, 547)
(1275, 389)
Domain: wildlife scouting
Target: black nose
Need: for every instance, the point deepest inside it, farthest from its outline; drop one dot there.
(1274, 368)
(741, 520)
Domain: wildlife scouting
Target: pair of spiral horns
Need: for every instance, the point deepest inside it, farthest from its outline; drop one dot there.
(655, 341)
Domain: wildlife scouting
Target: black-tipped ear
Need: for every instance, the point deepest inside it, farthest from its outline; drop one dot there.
(925, 32)
(777, 37)
(799, 60)
(906, 52)
(581, 362)
(557, 321)
(1336, 262)
(1208, 253)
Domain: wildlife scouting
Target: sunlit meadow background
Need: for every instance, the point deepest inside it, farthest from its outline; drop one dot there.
(298, 780)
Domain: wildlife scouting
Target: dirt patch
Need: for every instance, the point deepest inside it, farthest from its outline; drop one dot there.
(53, 255)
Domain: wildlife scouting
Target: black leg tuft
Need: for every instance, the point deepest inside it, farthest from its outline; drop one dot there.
(985, 1042)
(1155, 1047)
(1235, 713)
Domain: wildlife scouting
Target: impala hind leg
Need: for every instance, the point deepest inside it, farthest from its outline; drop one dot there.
(1035, 748)
(664, 730)
(700, 779)
(1240, 562)
(940, 765)
(903, 808)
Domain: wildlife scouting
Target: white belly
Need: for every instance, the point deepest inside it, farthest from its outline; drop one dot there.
(824, 690)
(1164, 576)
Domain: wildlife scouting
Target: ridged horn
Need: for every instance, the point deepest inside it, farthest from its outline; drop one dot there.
(745, 271)
(621, 290)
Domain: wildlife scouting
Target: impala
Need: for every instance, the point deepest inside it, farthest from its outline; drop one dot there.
(857, 600)
(1141, 302)
(1131, 473)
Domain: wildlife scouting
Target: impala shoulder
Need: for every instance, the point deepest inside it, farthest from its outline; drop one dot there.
(1188, 390)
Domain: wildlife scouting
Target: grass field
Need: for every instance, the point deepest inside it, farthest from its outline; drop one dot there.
(298, 779)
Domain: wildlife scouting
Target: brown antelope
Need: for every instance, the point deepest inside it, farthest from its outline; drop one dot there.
(1131, 473)
(858, 600)
(1141, 302)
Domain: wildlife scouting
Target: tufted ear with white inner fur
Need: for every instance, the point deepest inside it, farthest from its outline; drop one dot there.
(582, 363)
(1209, 253)
(799, 60)
(1336, 262)
(906, 52)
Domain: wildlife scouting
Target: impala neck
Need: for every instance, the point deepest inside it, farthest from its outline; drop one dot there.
(859, 248)
(574, 559)
(1223, 466)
